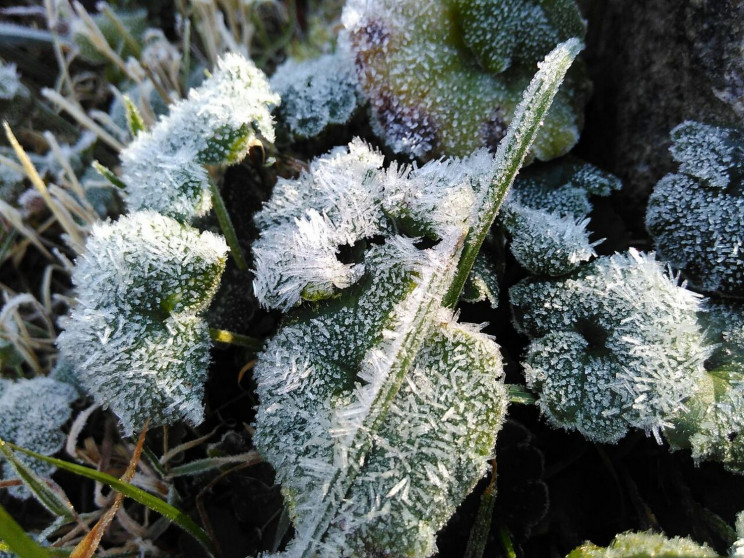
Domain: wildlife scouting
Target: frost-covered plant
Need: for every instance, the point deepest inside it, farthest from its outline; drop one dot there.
(377, 409)
(645, 545)
(10, 82)
(135, 337)
(696, 217)
(546, 214)
(615, 345)
(712, 422)
(317, 93)
(32, 413)
(444, 77)
(163, 168)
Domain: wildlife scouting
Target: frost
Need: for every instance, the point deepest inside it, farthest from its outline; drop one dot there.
(483, 282)
(319, 375)
(737, 549)
(10, 82)
(216, 125)
(33, 412)
(316, 93)
(135, 337)
(712, 422)
(614, 345)
(346, 199)
(645, 544)
(696, 217)
(546, 214)
(428, 94)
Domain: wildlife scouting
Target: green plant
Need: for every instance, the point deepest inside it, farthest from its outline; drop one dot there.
(367, 388)
(443, 79)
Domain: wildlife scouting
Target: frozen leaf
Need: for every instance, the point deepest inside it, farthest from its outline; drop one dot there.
(643, 545)
(615, 345)
(431, 94)
(135, 337)
(546, 214)
(32, 413)
(317, 93)
(696, 217)
(216, 125)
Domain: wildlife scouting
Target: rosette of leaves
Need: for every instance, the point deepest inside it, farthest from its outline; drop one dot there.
(696, 216)
(546, 214)
(219, 121)
(615, 345)
(33, 412)
(645, 545)
(379, 410)
(135, 337)
(444, 77)
(317, 93)
(712, 422)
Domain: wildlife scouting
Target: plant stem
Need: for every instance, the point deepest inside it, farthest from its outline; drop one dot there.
(511, 153)
(227, 227)
(482, 525)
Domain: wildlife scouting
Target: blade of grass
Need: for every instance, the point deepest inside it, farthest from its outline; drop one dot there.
(62, 216)
(41, 491)
(137, 494)
(482, 525)
(225, 336)
(200, 465)
(227, 227)
(17, 540)
(87, 547)
(512, 150)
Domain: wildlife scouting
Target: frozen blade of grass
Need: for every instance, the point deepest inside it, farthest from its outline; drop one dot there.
(83, 119)
(109, 175)
(512, 151)
(76, 238)
(226, 226)
(41, 491)
(200, 465)
(134, 118)
(231, 338)
(87, 547)
(14, 218)
(17, 540)
(137, 494)
(482, 525)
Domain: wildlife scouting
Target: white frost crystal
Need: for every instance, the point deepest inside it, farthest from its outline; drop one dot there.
(10, 81)
(215, 125)
(696, 217)
(346, 198)
(136, 337)
(546, 215)
(712, 422)
(31, 415)
(615, 345)
(319, 378)
(316, 93)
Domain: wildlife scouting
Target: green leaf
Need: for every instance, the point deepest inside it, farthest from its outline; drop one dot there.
(17, 540)
(134, 118)
(137, 494)
(41, 490)
(109, 175)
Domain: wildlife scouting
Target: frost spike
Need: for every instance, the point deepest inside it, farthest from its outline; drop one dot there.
(511, 154)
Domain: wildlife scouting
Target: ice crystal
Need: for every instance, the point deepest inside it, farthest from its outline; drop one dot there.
(483, 282)
(215, 125)
(696, 217)
(345, 200)
(316, 93)
(712, 422)
(648, 544)
(546, 215)
(428, 94)
(32, 413)
(614, 345)
(135, 337)
(318, 377)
